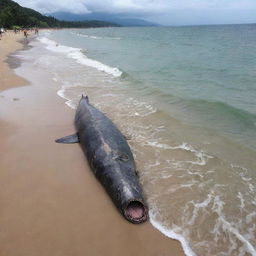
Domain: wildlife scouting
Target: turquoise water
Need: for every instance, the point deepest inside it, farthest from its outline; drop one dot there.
(203, 75)
(185, 96)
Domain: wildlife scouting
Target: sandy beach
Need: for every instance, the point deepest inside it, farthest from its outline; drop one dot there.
(51, 204)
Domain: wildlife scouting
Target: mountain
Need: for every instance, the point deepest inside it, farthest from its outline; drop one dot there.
(14, 15)
(113, 18)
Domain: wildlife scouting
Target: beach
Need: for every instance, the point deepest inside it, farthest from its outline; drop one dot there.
(51, 203)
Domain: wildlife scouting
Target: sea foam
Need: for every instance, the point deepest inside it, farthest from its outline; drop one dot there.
(201, 157)
(97, 37)
(61, 93)
(171, 234)
(77, 54)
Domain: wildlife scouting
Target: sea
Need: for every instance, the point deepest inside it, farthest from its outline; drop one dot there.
(185, 98)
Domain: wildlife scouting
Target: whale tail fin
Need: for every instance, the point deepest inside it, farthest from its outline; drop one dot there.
(85, 97)
(68, 139)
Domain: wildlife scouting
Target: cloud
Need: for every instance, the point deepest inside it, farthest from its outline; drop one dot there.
(50, 6)
(157, 9)
(145, 6)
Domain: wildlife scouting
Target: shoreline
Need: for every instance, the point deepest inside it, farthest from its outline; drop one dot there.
(10, 43)
(51, 202)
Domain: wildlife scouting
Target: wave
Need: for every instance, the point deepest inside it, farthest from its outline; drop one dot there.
(77, 54)
(171, 234)
(98, 37)
(62, 94)
(232, 121)
(201, 157)
(212, 112)
(223, 109)
(241, 242)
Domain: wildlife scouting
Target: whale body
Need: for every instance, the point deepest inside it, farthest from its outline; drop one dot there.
(110, 159)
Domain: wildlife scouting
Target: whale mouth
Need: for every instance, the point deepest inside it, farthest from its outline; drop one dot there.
(136, 212)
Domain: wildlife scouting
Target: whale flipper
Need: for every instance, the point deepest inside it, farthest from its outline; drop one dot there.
(68, 139)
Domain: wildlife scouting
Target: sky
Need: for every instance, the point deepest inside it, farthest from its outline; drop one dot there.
(165, 12)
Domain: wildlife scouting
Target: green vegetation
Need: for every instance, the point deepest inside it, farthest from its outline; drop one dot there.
(13, 15)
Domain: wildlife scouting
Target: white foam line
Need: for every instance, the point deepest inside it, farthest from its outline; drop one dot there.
(201, 156)
(97, 37)
(247, 244)
(171, 234)
(76, 53)
(62, 95)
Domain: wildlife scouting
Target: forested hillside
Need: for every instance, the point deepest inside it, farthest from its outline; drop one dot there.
(14, 15)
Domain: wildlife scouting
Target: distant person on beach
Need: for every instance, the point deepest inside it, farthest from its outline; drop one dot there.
(25, 33)
(1, 32)
(36, 31)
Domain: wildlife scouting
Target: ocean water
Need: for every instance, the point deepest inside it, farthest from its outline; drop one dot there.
(185, 98)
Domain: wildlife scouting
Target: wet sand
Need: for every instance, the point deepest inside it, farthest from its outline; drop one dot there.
(50, 202)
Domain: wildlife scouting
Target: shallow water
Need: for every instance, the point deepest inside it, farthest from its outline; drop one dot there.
(185, 97)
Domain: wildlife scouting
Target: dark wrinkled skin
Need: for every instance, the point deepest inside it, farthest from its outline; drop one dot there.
(109, 156)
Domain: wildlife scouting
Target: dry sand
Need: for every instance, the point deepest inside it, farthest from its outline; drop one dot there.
(50, 202)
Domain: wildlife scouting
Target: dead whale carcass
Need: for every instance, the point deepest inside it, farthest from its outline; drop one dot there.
(110, 158)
